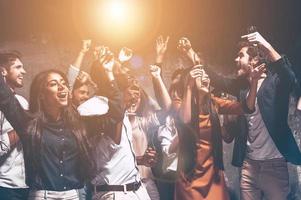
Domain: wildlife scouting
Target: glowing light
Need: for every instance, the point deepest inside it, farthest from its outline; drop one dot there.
(120, 20)
(117, 10)
(118, 14)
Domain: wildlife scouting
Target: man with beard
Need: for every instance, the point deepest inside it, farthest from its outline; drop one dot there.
(12, 171)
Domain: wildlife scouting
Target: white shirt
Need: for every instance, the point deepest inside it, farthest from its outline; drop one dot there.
(12, 169)
(115, 163)
(72, 73)
(166, 135)
(260, 145)
(142, 136)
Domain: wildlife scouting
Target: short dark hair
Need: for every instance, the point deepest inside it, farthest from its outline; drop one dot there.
(7, 57)
(253, 51)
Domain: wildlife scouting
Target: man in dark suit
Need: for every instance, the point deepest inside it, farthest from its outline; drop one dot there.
(265, 142)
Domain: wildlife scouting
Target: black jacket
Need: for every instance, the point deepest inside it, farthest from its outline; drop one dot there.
(273, 101)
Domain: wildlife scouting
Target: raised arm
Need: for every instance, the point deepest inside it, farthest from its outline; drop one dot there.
(185, 109)
(12, 109)
(163, 96)
(111, 122)
(75, 68)
(254, 76)
(185, 47)
(79, 59)
(278, 64)
(161, 48)
(256, 39)
(219, 82)
(247, 105)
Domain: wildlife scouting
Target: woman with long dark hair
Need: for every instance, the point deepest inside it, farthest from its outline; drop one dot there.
(54, 136)
(200, 155)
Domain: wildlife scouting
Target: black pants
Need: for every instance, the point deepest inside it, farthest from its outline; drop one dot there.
(14, 194)
(166, 186)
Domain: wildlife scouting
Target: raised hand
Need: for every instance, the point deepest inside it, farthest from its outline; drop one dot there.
(85, 78)
(204, 86)
(161, 47)
(108, 62)
(105, 57)
(86, 44)
(184, 45)
(125, 54)
(256, 73)
(84, 49)
(199, 77)
(155, 71)
(99, 51)
(195, 72)
(256, 39)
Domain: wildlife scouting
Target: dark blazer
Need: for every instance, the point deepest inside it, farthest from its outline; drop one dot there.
(273, 100)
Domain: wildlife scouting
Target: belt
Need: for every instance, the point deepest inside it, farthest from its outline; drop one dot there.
(127, 187)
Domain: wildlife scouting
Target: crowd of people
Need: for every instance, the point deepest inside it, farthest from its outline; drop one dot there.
(99, 135)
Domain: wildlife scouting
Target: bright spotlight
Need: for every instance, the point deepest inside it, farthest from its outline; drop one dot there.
(116, 10)
(120, 20)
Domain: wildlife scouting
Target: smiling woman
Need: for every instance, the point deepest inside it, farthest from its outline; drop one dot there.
(54, 136)
(49, 92)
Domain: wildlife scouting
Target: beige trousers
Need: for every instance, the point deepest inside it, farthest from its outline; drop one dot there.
(140, 194)
(54, 195)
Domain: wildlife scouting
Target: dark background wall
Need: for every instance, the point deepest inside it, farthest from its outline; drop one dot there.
(214, 26)
(48, 33)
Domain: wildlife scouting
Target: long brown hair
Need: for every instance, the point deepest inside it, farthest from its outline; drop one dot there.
(70, 117)
(189, 133)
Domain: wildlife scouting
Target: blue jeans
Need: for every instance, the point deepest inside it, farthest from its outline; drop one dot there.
(14, 194)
